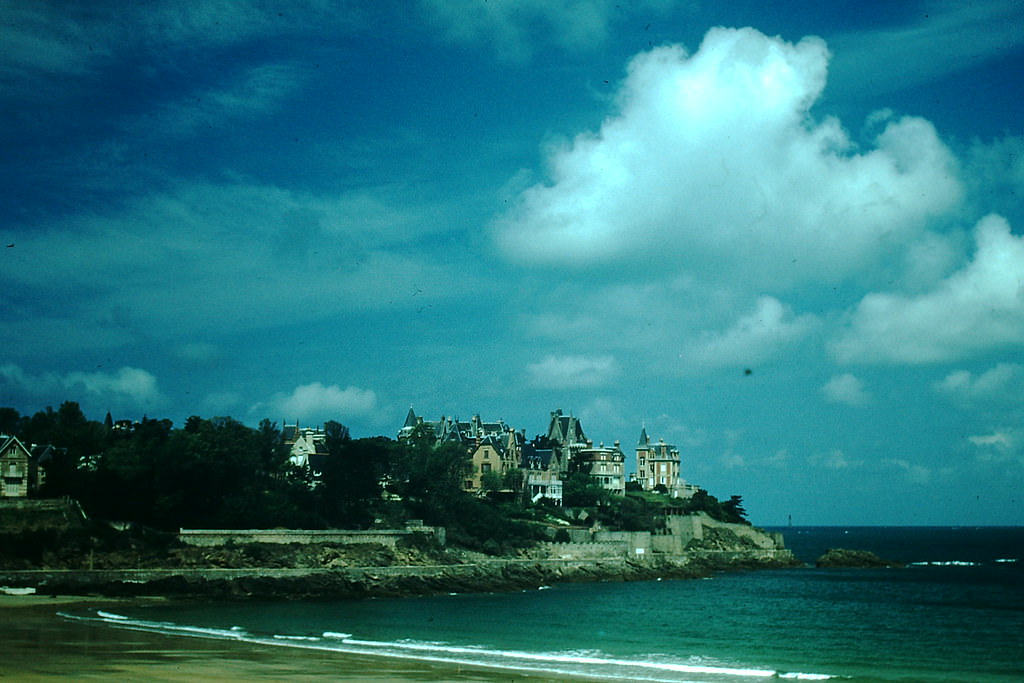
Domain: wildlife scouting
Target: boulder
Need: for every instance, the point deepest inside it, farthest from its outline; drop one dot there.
(853, 559)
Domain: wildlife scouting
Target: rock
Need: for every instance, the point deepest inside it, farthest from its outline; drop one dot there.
(853, 559)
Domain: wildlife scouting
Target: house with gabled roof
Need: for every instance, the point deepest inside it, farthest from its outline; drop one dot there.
(20, 471)
(566, 438)
(659, 467)
(539, 479)
(307, 447)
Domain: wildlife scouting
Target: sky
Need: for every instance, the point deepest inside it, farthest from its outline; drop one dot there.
(787, 239)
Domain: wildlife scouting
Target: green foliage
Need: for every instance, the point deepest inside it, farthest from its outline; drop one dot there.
(491, 481)
(219, 473)
(579, 489)
(350, 493)
(731, 511)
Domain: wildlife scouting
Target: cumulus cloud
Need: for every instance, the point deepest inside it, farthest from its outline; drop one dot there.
(977, 309)
(134, 385)
(1002, 445)
(1003, 382)
(319, 402)
(846, 388)
(572, 372)
(755, 337)
(713, 162)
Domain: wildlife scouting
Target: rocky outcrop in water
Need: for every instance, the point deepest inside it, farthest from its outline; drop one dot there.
(853, 559)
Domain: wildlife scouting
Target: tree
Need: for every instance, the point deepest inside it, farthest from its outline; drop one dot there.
(10, 422)
(582, 490)
(491, 481)
(734, 512)
(512, 480)
(353, 472)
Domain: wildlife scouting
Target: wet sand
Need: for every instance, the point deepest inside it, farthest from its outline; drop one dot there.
(38, 645)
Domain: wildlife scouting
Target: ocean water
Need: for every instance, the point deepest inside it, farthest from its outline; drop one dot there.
(955, 613)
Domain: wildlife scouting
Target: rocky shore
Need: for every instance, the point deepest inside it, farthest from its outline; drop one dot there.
(493, 575)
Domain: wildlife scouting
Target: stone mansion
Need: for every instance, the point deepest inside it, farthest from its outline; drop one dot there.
(495, 447)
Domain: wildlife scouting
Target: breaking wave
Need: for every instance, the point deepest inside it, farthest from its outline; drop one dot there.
(568, 663)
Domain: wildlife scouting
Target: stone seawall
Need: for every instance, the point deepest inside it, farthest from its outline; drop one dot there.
(352, 582)
(211, 538)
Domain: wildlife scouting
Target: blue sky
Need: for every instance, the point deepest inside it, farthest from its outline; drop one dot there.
(787, 239)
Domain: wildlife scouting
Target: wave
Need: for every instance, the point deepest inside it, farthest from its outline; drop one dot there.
(567, 663)
(946, 563)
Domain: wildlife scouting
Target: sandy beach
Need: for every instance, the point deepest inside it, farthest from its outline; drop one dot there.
(36, 644)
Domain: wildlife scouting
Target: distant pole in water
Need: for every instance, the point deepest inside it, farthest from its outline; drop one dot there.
(791, 520)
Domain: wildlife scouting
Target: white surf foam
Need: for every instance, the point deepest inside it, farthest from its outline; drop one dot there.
(560, 663)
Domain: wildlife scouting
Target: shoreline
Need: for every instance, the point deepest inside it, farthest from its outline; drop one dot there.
(377, 581)
(37, 645)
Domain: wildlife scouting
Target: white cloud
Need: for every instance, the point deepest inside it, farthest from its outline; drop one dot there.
(914, 473)
(753, 338)
(833, 460)
(260, 89)
(1003, 382)
(514, 27)
(1003, 445)
(732, 460)
(948, 37)
(126, 384)
(572, 372)
(316, 402)
(352, 250)
(977, 309)
(198, 352)
(996, 439)
(713, 163)
(846, 388)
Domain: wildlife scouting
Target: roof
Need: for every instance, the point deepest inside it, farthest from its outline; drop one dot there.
(6, 441)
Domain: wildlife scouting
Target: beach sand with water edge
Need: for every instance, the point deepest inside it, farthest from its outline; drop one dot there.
(38, 645)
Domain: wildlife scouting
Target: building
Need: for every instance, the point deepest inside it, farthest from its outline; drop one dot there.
(499, 455)
(491, 446)
(21, 473)
(452, 430)
(566, 439)
(307, 447)
(605, 465)
(658, 467)
(539, 479)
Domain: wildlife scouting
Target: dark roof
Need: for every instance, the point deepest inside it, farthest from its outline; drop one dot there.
(534, 458)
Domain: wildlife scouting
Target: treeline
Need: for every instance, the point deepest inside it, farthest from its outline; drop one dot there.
(220, 473)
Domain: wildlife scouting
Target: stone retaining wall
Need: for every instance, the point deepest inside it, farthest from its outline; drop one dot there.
(385, 537)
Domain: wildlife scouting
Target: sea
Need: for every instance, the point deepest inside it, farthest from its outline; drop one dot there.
(955, 612)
